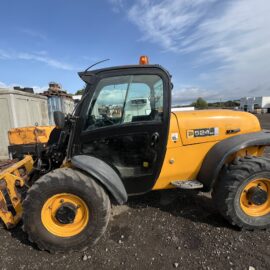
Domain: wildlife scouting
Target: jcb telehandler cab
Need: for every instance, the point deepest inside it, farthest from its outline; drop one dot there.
(124, 140)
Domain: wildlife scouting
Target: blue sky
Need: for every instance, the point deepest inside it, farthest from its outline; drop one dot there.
(216, 49)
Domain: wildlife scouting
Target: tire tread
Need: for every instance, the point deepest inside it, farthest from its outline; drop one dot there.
(57, 177)
(229, 180)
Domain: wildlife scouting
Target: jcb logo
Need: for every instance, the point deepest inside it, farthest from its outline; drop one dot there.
(190, 133)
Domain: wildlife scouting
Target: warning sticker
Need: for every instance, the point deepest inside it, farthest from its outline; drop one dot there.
(174, 136)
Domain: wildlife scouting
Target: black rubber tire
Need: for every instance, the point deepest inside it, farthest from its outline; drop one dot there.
(232, 180)
(66, 180)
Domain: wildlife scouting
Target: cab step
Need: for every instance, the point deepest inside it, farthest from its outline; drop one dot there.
(187, 184)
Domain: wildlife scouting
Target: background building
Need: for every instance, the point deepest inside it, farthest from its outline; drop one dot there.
(58, 100)
(252, 104)
(20, 108)
(76, 98)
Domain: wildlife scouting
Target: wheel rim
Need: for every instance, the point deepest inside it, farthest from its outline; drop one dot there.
(64, 215)
(255, 198)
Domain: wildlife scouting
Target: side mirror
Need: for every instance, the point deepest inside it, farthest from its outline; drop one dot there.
(59, 119)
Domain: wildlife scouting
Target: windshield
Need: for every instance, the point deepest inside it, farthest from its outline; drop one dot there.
(126, 99)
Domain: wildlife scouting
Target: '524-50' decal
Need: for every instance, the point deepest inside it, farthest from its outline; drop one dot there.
(202, 132)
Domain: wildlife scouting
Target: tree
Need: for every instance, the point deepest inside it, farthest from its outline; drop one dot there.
(79, 92)
(200, 103)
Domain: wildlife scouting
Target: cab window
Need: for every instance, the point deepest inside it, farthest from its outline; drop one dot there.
(126, 99)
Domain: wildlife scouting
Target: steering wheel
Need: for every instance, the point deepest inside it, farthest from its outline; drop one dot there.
(91, 120)
(107, 120)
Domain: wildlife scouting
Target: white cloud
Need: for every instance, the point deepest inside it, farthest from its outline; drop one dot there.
(186, 94)
(233, 36)
(37, 89)
(38, 57)
(117, 5)
(2, 85)
(34, 34)
(167, 22)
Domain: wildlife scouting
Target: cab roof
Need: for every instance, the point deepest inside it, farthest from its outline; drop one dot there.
(85, 75)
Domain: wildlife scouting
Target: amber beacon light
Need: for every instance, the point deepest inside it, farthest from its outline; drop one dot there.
(144, 60)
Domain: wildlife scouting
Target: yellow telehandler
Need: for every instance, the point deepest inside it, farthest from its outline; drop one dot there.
(122, 140)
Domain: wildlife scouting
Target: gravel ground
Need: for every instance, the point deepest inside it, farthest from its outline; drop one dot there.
(160, 230)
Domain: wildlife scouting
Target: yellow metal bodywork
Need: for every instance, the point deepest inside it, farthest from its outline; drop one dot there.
(184, 156)
(29, 135)
(15, 175)
(222, 119)
(50, 208)
(185, 153)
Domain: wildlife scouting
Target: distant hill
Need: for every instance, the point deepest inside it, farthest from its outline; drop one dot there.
(225, 104)
(202, 104)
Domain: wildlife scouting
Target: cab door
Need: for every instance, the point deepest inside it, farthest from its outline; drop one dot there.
(125, 121)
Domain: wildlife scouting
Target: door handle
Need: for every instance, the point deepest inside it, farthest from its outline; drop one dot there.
(233, 131)
(154, 139)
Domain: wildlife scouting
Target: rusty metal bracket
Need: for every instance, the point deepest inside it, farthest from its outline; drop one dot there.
(10, 199)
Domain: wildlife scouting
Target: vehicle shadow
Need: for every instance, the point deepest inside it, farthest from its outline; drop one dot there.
(196, 207)
(20, 235)
(185, 204)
